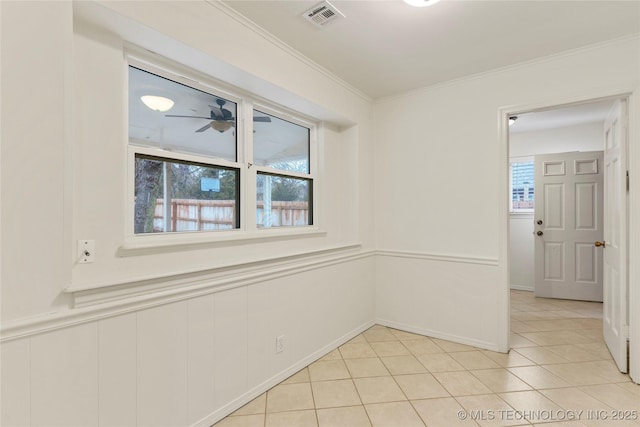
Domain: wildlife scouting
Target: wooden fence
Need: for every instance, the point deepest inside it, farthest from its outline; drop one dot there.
(283, 214)
(199, 215)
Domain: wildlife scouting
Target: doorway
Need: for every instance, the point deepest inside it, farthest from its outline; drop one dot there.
(569, 128)
(551, 132)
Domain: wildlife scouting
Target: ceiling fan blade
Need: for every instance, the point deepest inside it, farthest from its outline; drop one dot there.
(263, 119)
(191, 117)
(203, 128)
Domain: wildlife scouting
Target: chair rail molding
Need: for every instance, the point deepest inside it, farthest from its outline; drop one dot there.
(113, 299)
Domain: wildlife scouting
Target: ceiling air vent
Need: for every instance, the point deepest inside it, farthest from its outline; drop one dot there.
(322, 14)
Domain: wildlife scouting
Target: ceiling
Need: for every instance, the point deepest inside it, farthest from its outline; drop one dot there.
(574, 115)
(386, 47)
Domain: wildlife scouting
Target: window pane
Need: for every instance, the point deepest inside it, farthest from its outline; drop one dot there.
(280, 144)
(196, 122)
(283, 201)
(199, 197)
(522, 186)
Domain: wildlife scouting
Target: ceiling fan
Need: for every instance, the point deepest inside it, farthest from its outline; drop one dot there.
(221, 119)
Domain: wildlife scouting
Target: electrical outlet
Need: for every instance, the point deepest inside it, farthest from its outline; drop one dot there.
(86, 251)
(280, 344)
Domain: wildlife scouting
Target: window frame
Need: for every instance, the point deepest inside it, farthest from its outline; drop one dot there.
(256, 169)
(246, 103)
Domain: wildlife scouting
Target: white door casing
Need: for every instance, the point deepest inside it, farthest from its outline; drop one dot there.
(614, 316)
(568, 220)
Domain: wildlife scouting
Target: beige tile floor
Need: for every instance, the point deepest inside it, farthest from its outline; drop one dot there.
(558, 373)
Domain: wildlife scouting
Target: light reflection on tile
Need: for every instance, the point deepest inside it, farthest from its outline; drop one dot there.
(500, 380)
(538, 377)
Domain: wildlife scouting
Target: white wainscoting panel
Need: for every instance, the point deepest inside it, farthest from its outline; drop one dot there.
(162, 365)
(325, 307)
(201, 361)
(14, 384)
(230, 319)
(64, 377)
(117, 359)
(188, 362)
(268, 314)
(449, 300)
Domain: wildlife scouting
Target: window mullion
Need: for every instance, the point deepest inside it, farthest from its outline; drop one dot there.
(250, 190)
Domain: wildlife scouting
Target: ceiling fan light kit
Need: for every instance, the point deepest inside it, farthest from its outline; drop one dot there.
(221, 126)
(221, 119)
(421, 3)
(157, 103)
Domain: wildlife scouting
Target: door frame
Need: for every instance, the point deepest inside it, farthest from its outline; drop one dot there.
(632, 95)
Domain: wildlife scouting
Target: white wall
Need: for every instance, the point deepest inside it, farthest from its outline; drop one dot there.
(182, 336)
(583, 137)
(441, 175)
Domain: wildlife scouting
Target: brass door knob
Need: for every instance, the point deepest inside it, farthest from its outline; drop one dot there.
(603, 244)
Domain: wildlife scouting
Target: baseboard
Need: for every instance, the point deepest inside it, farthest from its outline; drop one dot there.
(515, 287)
(434, 334)
(247, 397)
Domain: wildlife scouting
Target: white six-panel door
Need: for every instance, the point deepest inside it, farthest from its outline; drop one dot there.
(614, 316)
(568, 220)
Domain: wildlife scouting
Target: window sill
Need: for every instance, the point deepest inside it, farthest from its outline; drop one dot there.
(521, 214)
(153, 244)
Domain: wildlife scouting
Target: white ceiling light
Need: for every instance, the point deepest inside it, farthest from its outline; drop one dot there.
(512, 120)
(421, 3)
(157, 103)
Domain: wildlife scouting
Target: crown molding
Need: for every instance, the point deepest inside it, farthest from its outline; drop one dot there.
(509, 68)
(251, 25)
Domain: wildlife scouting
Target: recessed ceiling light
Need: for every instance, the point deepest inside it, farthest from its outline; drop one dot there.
(421, 3)
(157, 103)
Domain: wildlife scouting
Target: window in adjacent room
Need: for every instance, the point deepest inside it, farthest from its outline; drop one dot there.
(522, 186)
